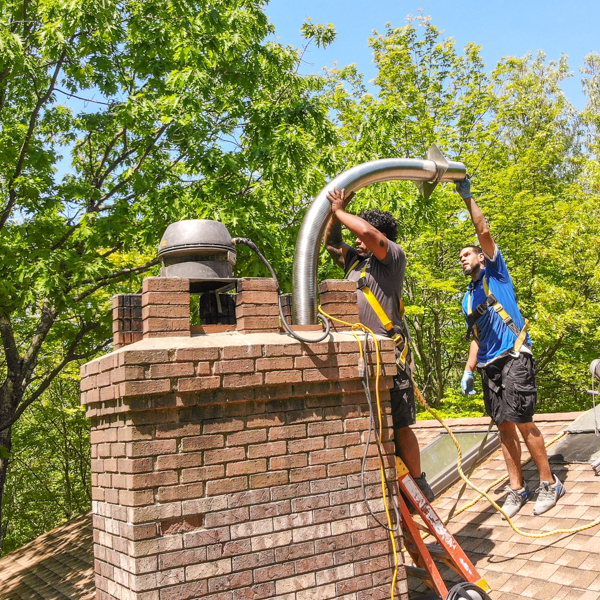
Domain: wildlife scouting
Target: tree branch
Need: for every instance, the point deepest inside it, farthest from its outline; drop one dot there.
(45, 323)
(107, 151)
(32, 124)
(11, 351)
(99, 283)
(68, 357)
(80, 98)
(548, 353)
(123, 182)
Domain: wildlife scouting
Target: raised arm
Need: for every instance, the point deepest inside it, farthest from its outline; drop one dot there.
(486, 241)
(334, 243)
(373, 239)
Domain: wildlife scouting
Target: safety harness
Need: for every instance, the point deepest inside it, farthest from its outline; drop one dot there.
(399, 339)
(480, 310)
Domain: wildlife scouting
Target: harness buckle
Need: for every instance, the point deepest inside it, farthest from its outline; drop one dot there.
(398, 339)
(361, 283)
(481, 309)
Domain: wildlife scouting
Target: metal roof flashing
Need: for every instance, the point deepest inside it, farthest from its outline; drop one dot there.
(582, 442)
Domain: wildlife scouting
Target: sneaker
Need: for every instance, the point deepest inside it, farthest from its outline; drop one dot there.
(514, 500)
(425, 487)
(548, 495)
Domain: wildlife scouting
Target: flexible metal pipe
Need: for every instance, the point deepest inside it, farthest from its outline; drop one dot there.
(595, 369)
(308, 244)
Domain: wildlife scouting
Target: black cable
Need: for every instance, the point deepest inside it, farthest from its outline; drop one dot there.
(365, 383)
(374, 426)
(254, 247)
(324, 320)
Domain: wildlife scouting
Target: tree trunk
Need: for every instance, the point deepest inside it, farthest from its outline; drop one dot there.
(6, 443)
(10, 396)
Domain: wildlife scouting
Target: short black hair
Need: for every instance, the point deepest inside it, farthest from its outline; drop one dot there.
(476, 248)
(383, 221)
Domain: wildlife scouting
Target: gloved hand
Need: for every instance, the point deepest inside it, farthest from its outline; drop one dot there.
(464, 187)
(467, 383)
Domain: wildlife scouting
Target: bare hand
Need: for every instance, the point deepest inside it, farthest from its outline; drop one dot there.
(338, 199)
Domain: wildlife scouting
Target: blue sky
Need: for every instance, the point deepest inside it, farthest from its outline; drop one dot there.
(507, 28)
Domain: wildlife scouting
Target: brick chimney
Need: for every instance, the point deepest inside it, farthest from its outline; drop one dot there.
(226, 459)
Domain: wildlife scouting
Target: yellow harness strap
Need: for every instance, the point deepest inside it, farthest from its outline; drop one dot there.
(504, 316)
(381, 314)
(356, 263)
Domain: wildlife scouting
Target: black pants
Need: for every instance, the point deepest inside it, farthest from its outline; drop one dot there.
(509, 389)
(402, 397)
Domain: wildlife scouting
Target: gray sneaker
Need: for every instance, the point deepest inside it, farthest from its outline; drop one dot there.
(548, 495)
(514, 500)
(425, 487)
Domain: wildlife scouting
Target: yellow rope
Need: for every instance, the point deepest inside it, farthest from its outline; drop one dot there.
(362, 327)
(499, 481)
(482, 493)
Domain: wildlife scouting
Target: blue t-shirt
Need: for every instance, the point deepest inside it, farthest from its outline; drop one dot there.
(495, 337)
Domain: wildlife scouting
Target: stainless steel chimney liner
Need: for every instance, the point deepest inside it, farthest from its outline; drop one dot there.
(308, 244)
(595, 369)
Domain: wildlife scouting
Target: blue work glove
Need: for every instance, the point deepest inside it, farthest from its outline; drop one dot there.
(467, 383)
(464, 187)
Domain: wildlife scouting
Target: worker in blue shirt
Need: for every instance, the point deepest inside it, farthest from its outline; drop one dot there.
(501, 351)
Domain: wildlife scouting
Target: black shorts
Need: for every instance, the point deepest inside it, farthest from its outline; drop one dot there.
(509, 389)
(402, 397)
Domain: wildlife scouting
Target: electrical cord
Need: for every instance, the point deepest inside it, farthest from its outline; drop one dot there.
(324, 320)
(378, 436)
(373, 426)
(482, 493)
(365, 382)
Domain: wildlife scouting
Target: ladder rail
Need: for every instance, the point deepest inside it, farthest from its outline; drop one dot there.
(454, 557)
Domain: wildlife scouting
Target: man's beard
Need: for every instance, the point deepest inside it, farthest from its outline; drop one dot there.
(472, 270)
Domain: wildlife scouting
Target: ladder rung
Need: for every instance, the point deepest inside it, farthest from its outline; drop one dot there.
(421, 526)
(421, 574)
(435, 550)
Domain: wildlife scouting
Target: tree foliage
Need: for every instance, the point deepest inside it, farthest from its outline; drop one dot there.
(532, 157)
(120, 117)
(429, 93)
(117, 118)
(49, 476)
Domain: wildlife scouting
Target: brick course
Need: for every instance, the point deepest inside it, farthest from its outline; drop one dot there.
(227, 466)
(338, 299)
(257, 305)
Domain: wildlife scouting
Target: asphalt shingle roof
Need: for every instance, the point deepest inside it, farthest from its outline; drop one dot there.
(559, 567)
(59, 564)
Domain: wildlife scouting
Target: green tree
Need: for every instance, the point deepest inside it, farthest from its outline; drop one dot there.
(117, 118)
(429, 93)
(546, 217)
(533, 158)
(48, 479)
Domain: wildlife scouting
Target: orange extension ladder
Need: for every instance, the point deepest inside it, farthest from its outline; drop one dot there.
(447, 549)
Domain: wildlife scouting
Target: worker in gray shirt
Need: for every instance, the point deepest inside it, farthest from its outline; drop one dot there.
(378, 264)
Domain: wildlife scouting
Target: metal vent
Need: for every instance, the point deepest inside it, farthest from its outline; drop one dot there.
(200, 250)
